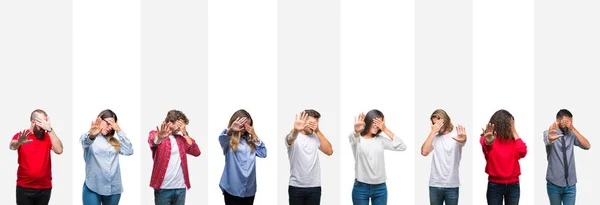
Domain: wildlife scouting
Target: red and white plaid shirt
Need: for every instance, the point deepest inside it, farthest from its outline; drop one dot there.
(161, 153)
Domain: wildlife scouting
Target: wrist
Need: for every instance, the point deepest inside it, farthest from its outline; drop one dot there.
(49, 129)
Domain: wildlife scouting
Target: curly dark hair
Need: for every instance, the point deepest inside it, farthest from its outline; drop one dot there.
(502, 121)
(174, 115)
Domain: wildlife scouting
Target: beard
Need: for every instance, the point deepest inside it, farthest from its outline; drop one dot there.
(563, 129)
(39, 133)
(308, 131)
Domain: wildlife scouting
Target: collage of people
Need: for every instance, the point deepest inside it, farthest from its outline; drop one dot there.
(299, 102)
(171, 144)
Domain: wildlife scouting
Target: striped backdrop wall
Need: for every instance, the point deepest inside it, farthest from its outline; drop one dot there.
(276, 58)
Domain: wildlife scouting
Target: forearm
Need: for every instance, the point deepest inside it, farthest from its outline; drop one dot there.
(582, 140)
(427, 146)
(57, 145)
(389, 133)
(291, 137)
(126, 145)
(516, 135)
(188, 139)
(14, 145)
(325, 144)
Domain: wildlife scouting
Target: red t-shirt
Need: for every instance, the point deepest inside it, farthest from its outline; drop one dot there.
(35, 167)
(502, 158)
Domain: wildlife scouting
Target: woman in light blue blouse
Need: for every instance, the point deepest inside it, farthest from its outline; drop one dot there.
(101, 150)
(240, 146)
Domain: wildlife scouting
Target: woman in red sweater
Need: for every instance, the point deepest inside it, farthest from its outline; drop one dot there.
(502, 148)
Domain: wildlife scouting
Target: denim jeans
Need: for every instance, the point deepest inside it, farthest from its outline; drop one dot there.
(362, 192)
(169, 196)
(92, 198)
(510, 193)
(304, 196)
(558, 194)
(439, 195)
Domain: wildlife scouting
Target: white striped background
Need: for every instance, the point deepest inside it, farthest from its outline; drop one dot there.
(405, 58)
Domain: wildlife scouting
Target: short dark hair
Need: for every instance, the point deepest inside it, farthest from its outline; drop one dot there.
(312, 113)
(37, 111)
(174, 115)
(371, 115)
(563, 113)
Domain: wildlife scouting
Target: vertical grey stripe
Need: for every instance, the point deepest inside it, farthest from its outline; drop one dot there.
(36, 70)
(309, 77)
(566, 59)
(174, 62)
(444, 71)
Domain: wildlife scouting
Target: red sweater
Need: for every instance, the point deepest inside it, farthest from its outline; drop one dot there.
(502, 158)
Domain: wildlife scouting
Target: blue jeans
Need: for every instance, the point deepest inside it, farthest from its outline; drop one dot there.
(439, 195)
(361, 193)
(169, 196)
(92, 198)
(558, 194)
(510, 193)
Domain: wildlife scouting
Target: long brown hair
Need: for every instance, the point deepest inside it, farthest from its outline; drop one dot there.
(371, 115)
(502, 124)
(237, 136)
(442, 115)
(110, 136)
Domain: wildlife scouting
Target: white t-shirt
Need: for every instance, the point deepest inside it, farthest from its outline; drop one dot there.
(174, 175)
(303, 154)
(445, 161)
(369, 162)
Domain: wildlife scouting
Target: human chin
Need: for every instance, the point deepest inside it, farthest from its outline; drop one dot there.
(308, 131)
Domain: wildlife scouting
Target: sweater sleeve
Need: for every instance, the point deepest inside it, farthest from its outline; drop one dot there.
(521, 148)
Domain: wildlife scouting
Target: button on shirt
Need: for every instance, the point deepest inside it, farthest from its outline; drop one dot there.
(239, 174)
(102, 170)
(555, 173)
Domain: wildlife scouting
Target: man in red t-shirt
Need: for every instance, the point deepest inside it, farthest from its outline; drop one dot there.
(34, 175)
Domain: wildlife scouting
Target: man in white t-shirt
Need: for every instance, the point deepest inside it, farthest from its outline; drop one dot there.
(446, 145)
(305, 172)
